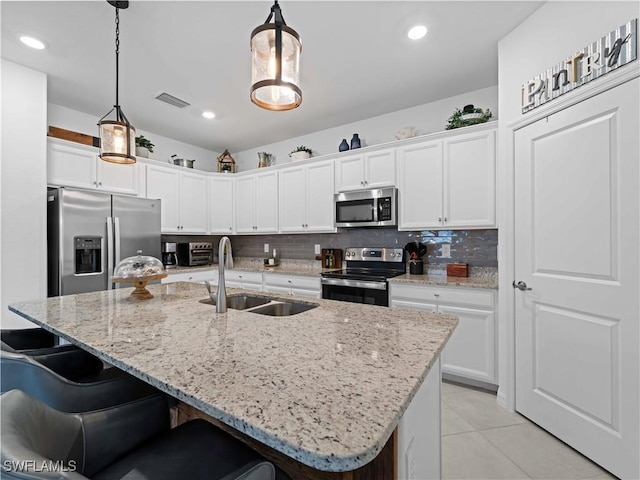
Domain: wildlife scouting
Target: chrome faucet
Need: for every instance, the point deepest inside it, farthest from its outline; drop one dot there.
(221, 300)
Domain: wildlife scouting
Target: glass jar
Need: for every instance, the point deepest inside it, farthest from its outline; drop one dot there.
(138, 266)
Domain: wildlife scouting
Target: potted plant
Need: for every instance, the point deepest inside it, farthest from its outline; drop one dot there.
(300, 153)
(469, 115)
(143, 147)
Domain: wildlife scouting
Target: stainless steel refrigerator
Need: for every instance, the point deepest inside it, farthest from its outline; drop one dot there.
(89, 233)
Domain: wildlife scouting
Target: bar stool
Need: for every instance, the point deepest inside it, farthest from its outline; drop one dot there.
(131, 441)
(56, 380)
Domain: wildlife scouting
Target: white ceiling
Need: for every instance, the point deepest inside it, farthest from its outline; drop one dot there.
(357, 61)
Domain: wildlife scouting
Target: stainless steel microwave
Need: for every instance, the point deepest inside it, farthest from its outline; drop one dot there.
(376, 207)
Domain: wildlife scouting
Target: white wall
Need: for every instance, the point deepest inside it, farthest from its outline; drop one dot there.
(552, 33)
(23, 193)
(427, 118)
(76, 121)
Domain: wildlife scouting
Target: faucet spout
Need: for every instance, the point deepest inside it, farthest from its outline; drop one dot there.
(223, 261)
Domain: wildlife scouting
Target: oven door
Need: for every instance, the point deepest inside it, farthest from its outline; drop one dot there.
(372, 293)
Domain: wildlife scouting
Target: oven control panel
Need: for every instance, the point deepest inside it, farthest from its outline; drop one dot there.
(381, 254)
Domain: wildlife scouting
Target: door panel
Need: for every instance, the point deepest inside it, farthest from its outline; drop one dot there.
(292, 199)
(321, 211)
(576, 242)
(193, 203)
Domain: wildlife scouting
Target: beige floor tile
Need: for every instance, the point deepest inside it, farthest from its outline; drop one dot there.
(480, 410)
(452, 389)
(540, 454)
(452, 422)
(471, 456)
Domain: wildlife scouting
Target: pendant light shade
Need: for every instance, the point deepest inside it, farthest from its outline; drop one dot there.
(117, 137)
(275, 64)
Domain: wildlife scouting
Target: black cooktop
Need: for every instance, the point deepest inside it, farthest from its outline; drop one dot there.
(368, 274)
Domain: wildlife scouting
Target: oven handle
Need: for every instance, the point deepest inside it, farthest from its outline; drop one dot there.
(342, 282)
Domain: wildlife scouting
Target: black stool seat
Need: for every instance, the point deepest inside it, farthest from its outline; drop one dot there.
(131, 441)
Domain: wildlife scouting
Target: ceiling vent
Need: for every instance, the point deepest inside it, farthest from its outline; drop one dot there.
(171, 100)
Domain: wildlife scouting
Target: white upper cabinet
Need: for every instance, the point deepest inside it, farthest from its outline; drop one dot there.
(77, 165)
(306, 198)
(369, 170)
(448, 183)
(221, 204)
(470, 180)
(184, 199)
(256, 203)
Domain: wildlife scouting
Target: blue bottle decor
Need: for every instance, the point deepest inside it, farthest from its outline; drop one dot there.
(343, 146)
(355, 141)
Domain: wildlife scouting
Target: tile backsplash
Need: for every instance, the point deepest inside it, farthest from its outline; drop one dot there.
(478, 248)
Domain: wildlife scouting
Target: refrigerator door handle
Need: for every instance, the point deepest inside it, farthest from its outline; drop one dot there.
(110, 262)
(116, 222)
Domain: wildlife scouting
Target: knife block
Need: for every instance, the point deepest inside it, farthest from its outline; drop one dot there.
(337, 253)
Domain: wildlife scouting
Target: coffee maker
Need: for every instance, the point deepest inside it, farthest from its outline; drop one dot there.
(169, 256)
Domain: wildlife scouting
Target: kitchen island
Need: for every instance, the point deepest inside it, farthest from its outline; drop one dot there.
(326, 387)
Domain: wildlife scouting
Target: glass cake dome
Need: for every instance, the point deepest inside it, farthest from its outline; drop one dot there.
(138, 266)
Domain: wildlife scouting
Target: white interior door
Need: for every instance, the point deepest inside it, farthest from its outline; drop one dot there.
(576, 243)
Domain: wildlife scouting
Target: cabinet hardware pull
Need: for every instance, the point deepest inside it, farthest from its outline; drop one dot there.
(439, 219)
(445, 219)
(436, 294)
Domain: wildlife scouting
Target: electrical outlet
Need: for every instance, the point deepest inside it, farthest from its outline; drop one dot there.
(317, 249)
(446, 250)
(266, 248)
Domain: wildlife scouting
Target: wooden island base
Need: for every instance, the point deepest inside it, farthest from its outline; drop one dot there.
(383, 467)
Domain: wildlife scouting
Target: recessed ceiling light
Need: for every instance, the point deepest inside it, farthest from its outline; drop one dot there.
(417, 32)
(208, 115)
(33, 42)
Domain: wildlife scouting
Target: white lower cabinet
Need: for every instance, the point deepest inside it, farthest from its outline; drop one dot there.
(243, 279)
(471, 352)
(303, 286)
(199, 276)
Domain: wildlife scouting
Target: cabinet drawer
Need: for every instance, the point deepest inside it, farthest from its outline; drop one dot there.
(200, 276)
(449, 295)
(292, 281)
(242, 276)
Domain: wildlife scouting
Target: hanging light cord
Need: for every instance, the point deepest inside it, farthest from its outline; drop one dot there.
(117, 105)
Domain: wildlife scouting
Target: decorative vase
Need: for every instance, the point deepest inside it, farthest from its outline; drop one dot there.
(142, 152)
(355, 141)
(343, 145)
(264, 159)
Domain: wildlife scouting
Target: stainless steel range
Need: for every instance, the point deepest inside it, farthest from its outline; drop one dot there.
(364, 280)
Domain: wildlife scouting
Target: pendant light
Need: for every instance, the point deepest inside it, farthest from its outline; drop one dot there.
(275, 64)
(117, 137)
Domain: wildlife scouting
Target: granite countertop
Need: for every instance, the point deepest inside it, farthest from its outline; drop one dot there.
(442, 280)
(286, 267)
(326, 386)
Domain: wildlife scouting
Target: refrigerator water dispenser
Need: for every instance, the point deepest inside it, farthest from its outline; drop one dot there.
(88, 254)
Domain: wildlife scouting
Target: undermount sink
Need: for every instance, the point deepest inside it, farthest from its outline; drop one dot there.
(240, 302)
(284, 309)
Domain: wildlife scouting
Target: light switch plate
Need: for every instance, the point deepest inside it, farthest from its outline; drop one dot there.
(446, 250)
(317, 249)
(266, 248)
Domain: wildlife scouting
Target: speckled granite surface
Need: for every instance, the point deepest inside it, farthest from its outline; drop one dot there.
(290, 267)
(481, 278)
(326, 387)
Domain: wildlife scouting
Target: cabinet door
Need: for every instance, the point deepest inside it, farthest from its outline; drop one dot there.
(469, 180)
(266, 202)
(164, 183)
(380, 168)
(193, 203)
(292, 199)
(321, 212)
(470, 351)
(350, 173)
(221, 205)
(71, 166)
(419, 306)
(420, 186)
(117, 178)
(244, 194)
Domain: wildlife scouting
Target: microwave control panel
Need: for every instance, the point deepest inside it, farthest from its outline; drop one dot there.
(384, 209)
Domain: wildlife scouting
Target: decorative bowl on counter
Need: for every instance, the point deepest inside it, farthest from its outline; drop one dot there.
(138, 271)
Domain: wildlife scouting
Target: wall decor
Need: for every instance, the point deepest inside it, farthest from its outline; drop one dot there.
(469, 115)
(610, 52)
(226, 163)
